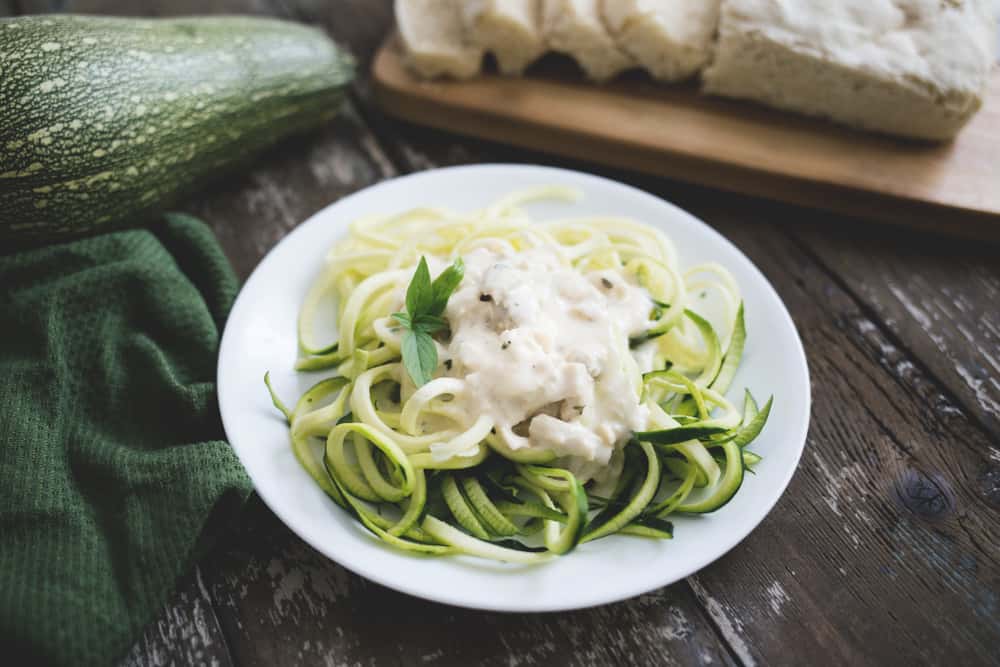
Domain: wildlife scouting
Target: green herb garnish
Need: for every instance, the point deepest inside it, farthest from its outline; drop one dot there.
(425, 303)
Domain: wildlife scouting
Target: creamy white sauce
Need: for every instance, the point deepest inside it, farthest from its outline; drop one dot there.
(543, 351)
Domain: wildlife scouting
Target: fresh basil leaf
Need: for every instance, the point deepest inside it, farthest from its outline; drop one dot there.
(419, 356)
(428, 355)
(425, 302)
(411, 357)
(429, 323)
(444, 285)
(420, 293)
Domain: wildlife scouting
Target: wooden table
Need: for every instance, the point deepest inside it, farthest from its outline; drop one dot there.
(884, 550)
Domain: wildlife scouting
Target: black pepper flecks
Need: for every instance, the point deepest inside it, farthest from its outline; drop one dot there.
(485, 297)
(505, 345)
(607, 283)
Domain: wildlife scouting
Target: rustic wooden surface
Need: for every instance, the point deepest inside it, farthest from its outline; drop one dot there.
(884, 549)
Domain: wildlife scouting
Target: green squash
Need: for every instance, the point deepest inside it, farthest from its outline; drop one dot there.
(106, 121)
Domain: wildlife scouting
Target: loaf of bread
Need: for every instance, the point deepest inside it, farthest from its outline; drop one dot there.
(918, 68)
(510, 29)
(434, 38)
(576, 28)
(915, 68)
(672, 39)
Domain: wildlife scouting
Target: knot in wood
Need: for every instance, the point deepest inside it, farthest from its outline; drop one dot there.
(925, 495)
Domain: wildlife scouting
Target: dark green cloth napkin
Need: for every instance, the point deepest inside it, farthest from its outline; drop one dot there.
(114, 474)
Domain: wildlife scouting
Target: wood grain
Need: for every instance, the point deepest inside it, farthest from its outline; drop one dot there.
(316, 624)
(359, 24)
(253, 212)
(896, 499)
(674, 131)
(187, 633)
(813, 628)
(898, 495)
(283, 603)
(939, 299)
(882, 551)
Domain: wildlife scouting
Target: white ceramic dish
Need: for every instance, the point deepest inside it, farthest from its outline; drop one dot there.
(260, 335)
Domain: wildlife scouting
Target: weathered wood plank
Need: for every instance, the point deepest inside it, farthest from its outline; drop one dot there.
(361, 25)
(187, 633)
(291, 605)
(327, 165)
(287, 604)
(938, 297)
(884, 547)
(788, 603)
(253, 211)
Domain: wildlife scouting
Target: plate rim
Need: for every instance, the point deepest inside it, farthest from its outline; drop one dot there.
(445, 595)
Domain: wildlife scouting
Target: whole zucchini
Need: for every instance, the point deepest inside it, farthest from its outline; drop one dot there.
(105, 121)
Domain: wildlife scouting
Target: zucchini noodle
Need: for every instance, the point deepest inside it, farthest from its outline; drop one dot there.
(426, 470)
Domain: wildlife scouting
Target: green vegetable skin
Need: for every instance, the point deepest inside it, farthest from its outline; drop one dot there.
(105, 121)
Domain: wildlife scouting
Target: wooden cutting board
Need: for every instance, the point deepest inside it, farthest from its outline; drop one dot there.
(676, 132)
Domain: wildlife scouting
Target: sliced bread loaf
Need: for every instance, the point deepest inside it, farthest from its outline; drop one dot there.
(916, 68)
(434, 38)
(575, 27)
(510, 29)
(672, 39)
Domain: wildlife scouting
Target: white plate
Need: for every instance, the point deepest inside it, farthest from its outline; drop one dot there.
(260, 335)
